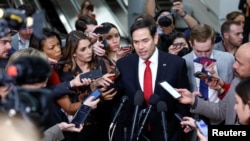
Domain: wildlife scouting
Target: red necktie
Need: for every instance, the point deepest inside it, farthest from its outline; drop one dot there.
(148, 90)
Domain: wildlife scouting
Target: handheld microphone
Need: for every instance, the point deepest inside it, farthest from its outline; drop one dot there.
(123, 102)
(138, 101)
(162, 107)
(154, 98)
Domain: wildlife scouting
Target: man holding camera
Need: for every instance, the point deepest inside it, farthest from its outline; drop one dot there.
(166, 21)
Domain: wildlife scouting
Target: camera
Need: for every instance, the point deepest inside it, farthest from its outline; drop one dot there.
(165, 21)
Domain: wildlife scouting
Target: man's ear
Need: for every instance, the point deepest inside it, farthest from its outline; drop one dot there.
(156, 38)
(225, 35)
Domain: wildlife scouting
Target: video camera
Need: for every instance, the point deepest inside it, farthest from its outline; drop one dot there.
(30, 104)
(15, 19)
(165, 20)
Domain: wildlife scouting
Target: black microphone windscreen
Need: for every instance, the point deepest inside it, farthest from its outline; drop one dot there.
(154, 98)
(161, 106)
(124, 99)
(138, 99)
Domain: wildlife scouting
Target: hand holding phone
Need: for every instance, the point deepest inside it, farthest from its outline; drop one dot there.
(101, 30)
(204, 76)
(92, 74)
(170, 89)
(202, 127)
(204, 60)
(96, 93)
(179, 117)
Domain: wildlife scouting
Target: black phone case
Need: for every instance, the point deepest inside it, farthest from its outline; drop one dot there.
(81, 115)
(101, 30)
(92, 74)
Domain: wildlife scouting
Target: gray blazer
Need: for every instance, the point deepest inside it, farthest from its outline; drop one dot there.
(219, 46)
(53, 134)
(224, 66)
(223, 110)
(14, 41)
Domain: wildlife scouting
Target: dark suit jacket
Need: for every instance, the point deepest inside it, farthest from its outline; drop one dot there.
(172, 69)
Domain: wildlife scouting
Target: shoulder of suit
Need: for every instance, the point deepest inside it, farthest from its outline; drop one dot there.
(218, 53)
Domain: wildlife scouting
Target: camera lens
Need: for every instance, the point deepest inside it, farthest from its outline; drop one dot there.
(165, 21)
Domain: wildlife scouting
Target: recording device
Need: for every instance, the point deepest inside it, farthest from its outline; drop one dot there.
(101, 30)
(162, 108)
(92, 74)
(138, 101)
(165, 21)
(179, 117)
(96, 93)
(104, 42)
(202, 127)
(203, 60)
(154, 98)
(204, 76)
(170, 89)
(122, 104)
(178, 43)
(15, 19)
(125, 47)
(82, 113)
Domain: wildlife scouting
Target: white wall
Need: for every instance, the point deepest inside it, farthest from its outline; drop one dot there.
(212, 12)
(221, 7)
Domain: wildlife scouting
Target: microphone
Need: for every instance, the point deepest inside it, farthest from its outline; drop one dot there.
(138, 101)
(162, 107)
(123, 102)
(154, 98)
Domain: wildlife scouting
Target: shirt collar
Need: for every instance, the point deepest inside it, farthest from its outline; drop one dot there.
(153, 59)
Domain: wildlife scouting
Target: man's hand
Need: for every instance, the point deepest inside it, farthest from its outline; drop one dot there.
(187, 97)
(69, 127)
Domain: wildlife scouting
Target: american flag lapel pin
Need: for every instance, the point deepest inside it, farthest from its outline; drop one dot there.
(164, 65)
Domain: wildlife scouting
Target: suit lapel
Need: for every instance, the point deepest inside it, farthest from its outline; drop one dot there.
(161, 70)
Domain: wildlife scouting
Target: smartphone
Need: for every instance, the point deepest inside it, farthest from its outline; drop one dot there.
(116, 72)
(178, 44)
(81, 115)
(179, 117)
(96, 93)
(170, 89)
(125, 47)
(203, 60)
(92, 74)
(101, 30)
(204, 76)
(202, 126)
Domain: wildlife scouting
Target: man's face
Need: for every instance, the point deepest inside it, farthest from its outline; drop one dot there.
(235, 35)
(5, 46)
(202, 49)
(144, 43)
(242, 63)
(26, 33)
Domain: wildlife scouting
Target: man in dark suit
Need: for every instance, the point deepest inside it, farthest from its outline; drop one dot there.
(164, 67)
